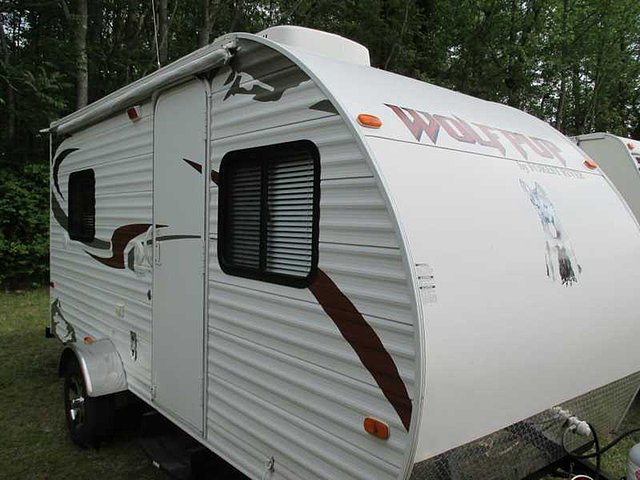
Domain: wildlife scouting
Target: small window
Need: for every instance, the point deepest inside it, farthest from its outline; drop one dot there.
(269, 212)
(82, 206)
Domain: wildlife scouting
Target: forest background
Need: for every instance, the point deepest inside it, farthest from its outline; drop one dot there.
(572, 63)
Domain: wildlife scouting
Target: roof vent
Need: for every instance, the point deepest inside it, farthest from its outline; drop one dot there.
(320, 43)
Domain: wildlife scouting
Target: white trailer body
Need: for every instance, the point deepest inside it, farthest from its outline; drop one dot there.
(619, 159)
(275, 271)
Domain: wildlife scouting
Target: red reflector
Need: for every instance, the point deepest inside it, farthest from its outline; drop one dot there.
(52, 285)
(133, 113)
(376, 428)
(89, 339)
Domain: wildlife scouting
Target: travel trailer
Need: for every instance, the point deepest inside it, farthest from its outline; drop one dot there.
(619, 159)
(322, 270)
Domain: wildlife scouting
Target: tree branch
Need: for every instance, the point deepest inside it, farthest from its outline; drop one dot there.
(397, 44)
(65, 10)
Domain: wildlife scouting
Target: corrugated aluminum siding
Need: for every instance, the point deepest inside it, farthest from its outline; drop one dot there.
(282, 381)
(121, 154)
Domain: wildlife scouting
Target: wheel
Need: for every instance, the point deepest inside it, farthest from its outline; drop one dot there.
(90, 420)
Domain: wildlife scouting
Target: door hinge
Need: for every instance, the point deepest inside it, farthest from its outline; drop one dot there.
(154, 392)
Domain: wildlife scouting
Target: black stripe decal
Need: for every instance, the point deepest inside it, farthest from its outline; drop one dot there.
(56, 167)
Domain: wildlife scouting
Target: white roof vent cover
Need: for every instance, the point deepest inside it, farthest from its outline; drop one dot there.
(320, 43)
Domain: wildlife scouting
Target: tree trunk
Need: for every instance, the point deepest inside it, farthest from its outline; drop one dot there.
(10, 94)
(561, 101)
(237, 12)
(559, 123)
(509, 80)
(205, 28)
(398, 43)
(82, 63)
(578, 107)
(592, 113)
(163, 31)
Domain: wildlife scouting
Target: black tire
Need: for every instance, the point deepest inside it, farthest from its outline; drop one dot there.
(90, 420)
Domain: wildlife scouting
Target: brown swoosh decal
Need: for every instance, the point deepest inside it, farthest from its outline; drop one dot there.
(365, 342)
(195, 165)
(215, 176)
(119, 240)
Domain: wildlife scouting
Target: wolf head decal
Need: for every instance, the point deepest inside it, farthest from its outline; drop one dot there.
(559, 256)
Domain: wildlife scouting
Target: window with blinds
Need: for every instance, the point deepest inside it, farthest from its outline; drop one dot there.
(269, 213)
(82, 205)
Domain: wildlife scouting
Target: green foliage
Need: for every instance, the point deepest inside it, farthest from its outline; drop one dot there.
(24, 226)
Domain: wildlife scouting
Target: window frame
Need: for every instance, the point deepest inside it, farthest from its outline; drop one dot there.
(265, 155)
(82, 236)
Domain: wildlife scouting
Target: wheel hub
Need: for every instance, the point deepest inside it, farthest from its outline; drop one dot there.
(75, 403)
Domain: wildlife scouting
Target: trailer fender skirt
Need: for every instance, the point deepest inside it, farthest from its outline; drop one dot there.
(100, 364)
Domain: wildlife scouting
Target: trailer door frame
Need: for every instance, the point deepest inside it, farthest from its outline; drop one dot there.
(180, 242)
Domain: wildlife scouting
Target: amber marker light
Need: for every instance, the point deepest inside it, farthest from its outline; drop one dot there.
(369, 121)
(376, 428)
(590, 164)
(630, 146)
(89, 339)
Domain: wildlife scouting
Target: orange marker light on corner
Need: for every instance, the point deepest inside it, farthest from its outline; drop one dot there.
(369, 121)
(89, 339)
(376, 428)
(590, 164)
(630, 146)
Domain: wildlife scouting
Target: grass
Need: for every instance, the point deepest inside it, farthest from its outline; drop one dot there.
(34, 443)
(615, 460)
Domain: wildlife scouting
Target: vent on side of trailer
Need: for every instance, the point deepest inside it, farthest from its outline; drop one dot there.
(269, 212)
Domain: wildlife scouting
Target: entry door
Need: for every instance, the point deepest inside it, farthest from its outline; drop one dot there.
(178, 273)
